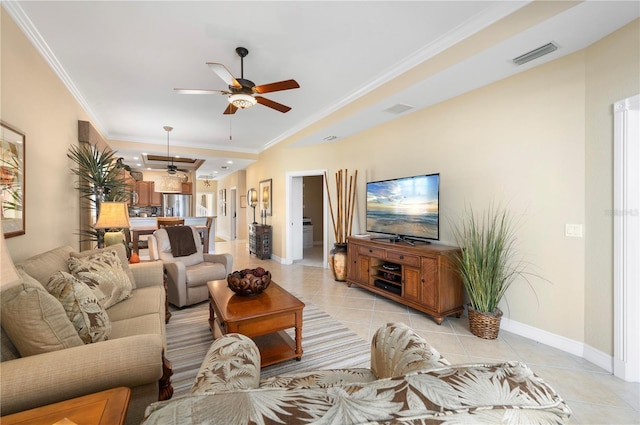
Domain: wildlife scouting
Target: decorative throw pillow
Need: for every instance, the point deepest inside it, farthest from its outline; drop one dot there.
(103, 271)
(34, 320)
(120, 249)
(82, 307)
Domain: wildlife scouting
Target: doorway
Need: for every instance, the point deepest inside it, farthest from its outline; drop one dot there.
(315, 206)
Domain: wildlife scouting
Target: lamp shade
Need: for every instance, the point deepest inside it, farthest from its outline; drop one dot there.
(113, 215)
(169, 184)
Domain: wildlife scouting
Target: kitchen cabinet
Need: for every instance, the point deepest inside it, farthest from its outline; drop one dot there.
(187, 188)
(147, 196)
(423, 277)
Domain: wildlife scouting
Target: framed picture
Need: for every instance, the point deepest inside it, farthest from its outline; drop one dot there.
(12, 188)
(264, 196)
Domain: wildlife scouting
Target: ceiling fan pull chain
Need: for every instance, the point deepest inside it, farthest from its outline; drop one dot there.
(230, 118)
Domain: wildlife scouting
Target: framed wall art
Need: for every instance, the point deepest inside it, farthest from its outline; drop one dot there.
(265, 197)
(12, 184)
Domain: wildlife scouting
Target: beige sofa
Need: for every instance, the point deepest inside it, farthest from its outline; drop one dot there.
(132, 356)
(409, 382)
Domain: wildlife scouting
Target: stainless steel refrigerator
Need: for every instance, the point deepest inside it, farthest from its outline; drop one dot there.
(176, 205)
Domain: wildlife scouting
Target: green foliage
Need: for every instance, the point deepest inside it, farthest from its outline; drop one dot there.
(99, 173)
(99, 180)
(488, 262)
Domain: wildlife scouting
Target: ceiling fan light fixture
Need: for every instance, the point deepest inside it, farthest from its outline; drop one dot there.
(242, 101)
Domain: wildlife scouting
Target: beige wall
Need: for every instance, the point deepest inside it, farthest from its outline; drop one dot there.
(36, 102)
(539, 142)
(612, 74)
(522, 143)
(244, 216)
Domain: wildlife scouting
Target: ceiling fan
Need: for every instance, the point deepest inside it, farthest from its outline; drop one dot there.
(244, 93)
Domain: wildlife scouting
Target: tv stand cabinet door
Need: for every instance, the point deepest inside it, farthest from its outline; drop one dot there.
(411, 283)
(359, 266)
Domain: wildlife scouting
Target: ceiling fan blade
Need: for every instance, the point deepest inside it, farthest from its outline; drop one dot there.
(223, 73)
(230, 109)
(280, 85)
(200, 91)
(271, 104)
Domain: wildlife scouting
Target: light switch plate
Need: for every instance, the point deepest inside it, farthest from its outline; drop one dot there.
(573, 230)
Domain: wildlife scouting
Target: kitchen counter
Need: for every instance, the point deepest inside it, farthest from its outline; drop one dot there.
(147, 225)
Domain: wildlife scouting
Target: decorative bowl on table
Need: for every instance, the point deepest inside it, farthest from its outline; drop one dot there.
(249, 281)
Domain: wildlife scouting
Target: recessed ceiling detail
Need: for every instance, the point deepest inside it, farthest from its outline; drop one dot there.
(160, 161)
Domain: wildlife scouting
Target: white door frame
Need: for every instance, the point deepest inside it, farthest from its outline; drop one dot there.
(626, 239)
(288, 259)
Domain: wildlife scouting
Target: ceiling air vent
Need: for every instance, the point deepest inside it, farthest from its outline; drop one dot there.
(535, 54)
(398, 109)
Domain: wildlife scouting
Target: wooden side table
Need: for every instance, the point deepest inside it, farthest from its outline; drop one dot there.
(103, 408)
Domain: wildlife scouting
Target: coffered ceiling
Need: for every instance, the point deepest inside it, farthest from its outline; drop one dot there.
(122, 60)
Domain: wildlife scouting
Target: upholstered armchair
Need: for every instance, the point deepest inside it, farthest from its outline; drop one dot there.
(187, 276)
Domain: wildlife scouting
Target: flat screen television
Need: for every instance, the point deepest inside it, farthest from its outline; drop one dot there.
(405, 208)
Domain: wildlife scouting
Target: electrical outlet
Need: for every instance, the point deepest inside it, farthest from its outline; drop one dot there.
(573, 230)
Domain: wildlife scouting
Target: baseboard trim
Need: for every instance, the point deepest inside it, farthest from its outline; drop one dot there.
(568, 345)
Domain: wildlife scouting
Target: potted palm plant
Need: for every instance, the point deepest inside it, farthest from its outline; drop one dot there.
(488, 266)
(100, 179)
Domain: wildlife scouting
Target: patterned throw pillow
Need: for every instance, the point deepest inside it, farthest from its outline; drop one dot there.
(103, 271)
(34, 320)
(82, 307)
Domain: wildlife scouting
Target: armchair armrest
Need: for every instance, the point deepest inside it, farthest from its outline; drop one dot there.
(47, 378)
(397, 350)
(232, 363)
(148, 274)
(225, 259)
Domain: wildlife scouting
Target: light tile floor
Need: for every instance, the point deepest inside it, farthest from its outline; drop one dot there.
(594, 395)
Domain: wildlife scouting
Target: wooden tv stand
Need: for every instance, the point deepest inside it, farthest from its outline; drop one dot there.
(423, 276)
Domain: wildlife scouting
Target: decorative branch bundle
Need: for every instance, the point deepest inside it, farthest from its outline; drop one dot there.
(342, 220)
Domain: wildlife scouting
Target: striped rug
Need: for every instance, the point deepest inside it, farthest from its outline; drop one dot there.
(326, 343)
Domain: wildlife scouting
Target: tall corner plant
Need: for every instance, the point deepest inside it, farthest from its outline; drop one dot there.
(100, 179)
(488, 263)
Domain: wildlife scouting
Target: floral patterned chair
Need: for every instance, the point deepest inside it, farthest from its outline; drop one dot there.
(409, 382)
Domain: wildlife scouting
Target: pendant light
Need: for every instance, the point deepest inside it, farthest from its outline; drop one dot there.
(169, 183)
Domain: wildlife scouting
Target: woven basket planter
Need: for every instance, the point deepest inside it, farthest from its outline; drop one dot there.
(484, 325)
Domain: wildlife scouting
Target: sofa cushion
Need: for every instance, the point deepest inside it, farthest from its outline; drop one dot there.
(82, 307)
(200, 274)
(122, 255)
(42, 266)
(8, 350)
(35, 320)
(103, 270)
(149, 324)
(142, 301)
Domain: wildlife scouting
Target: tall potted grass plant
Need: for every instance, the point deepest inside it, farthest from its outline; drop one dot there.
(488, 265)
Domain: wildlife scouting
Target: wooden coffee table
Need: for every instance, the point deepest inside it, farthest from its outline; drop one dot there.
(263, 318)
(103, 408)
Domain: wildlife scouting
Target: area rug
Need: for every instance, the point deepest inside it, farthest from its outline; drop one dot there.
(326, 344)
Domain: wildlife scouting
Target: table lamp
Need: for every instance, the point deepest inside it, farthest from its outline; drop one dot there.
(115, 217)
(252, 196)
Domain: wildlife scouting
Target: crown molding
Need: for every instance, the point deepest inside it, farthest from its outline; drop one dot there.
(21, 19)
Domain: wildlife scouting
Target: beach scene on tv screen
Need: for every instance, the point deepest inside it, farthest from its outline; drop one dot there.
(407, 207)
